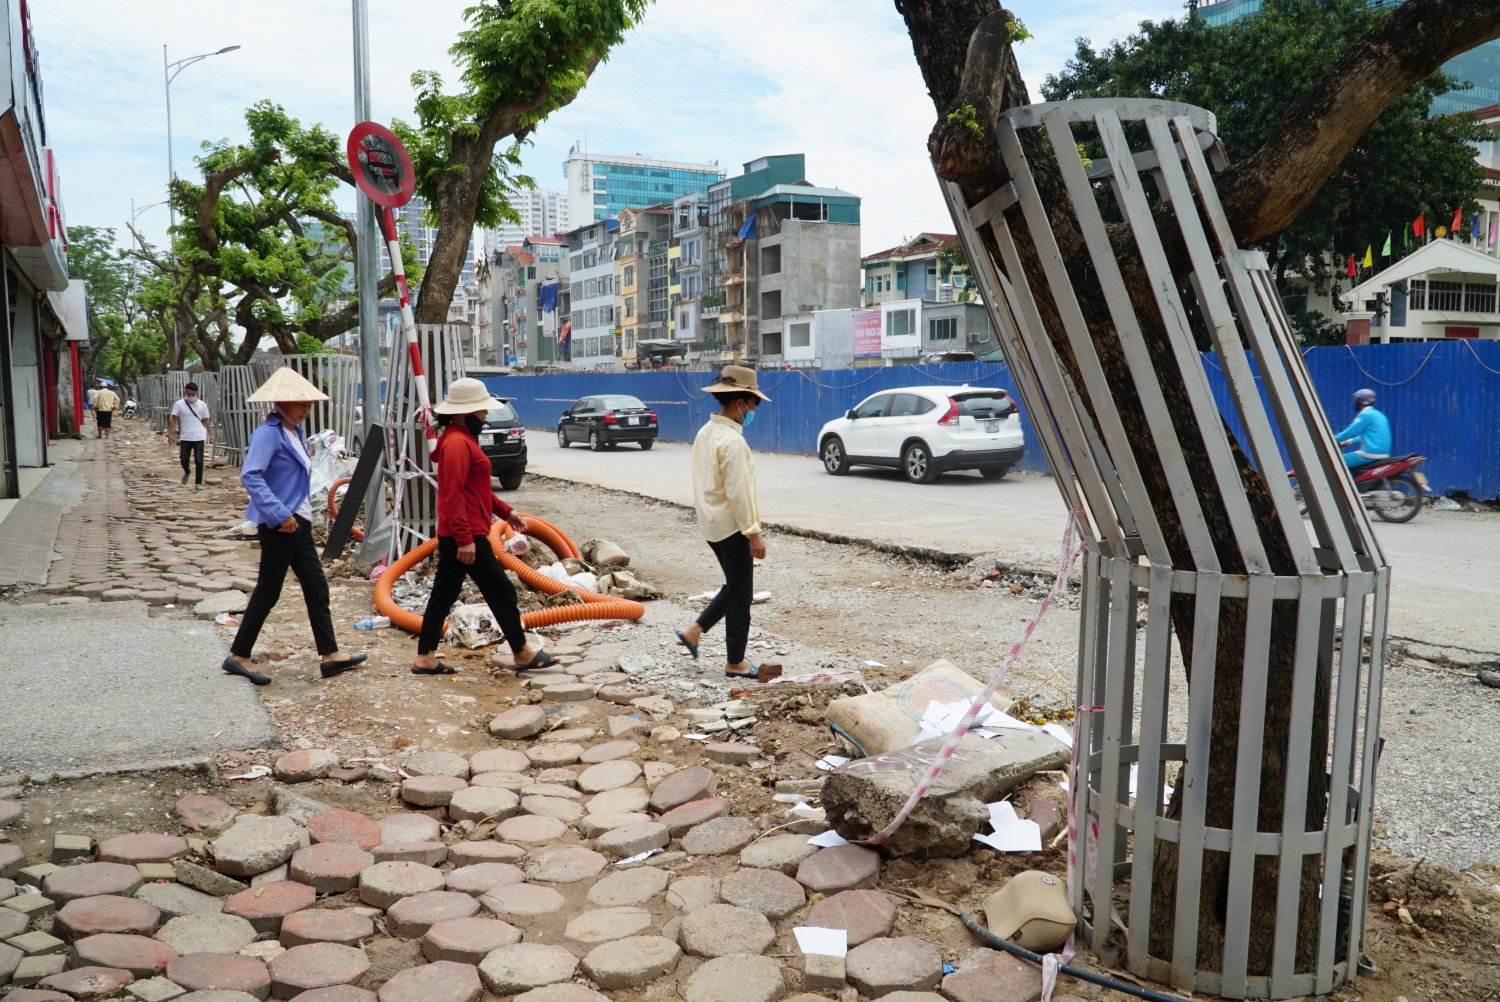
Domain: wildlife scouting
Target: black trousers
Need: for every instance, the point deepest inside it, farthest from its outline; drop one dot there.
(278, 552)
(732, 603)
(499, 594)
(193, 451)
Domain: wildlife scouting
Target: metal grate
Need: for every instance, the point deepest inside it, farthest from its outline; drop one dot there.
(406, 458)
(1337, 596)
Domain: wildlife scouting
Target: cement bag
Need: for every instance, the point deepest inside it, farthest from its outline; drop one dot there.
(878, 722)
(472, 626)
(627, 585)
(603, 553)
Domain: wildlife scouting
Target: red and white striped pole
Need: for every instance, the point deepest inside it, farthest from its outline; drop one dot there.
(409, 325)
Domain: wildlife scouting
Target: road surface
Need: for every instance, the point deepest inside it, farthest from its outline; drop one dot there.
(1446, 565)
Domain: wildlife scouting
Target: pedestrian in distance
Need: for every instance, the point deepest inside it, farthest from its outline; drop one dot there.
(105, 404)
(465, 504)
(190, 421)
(276, 475)
(729, 517)
(88, 399)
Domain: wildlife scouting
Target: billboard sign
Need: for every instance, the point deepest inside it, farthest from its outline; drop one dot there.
(867, 333)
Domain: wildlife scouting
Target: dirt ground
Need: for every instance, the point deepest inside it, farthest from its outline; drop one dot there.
(833, 607)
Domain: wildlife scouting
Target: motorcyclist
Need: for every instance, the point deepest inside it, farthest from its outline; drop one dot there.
(1369, 433)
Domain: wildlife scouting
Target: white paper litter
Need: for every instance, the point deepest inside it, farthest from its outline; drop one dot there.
(256, 772)
(790, 798)
(828, 763)
(874, 664)
(1166, 793)
(822, 942)
(943, 718)
(828, 840)
(637, 857)
(1012, 833)
(1059, 732)
(695, 737)
(807, 811)
(707, 596)
(760, 598)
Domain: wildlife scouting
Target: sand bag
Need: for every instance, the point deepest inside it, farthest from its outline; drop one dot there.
(883, 721)
(603, 553)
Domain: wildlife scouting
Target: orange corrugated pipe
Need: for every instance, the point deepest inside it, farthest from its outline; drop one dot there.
(333, 509)
(595, 605)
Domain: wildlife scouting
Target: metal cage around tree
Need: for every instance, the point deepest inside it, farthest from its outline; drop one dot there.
(406, 458)
(1286, 915)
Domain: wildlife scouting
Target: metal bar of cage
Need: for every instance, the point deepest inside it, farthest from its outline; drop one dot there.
(442, 356)
(1338, 591)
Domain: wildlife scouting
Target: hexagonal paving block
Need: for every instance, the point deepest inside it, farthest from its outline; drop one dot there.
(140, 955)
(631, 962)
(478, 803)
(520, 966)
(440, 981)
(566, 866)
(561, 753)
(604, 924)
(719, 836)
(383, 884)
(265, 906)
(608, 751)
(882, 966)
(91, 981)
(413, 915)
(683, 787)
(626, 800)
(568, 992)
(594, 825)
(104, 913)
(483, 851)
(512, 781)
(519, 901)
(721, 930)
(301, 766)
(632, 840)
(840, 868)
(680, 819)
(426, 853)
(628, 887)
(330, 867)
(688, 894)
(333, 993)
(229, 972)
(431, 791)
(993, 977)
(255, 844)
(315, 965)
(201, 813)
(89, 879)
(552, 807)
(478, 878)
(189, 934)
(408, 827)
(142, 847)
(338, 825)
(609, 775)
(778, 852)
(467, 940)
(325, 925)
(431, 763)
(173, 900)
(518, 722)
(864, 914)
(770, 892)
(498, 760)
(736, 979)
(531, 828)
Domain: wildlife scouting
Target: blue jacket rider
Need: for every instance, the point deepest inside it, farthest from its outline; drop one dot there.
(1369, 433)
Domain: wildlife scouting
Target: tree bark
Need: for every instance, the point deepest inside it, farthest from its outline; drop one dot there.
(963, 50)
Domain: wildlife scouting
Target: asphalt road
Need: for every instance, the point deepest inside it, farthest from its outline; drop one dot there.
(1446, 565)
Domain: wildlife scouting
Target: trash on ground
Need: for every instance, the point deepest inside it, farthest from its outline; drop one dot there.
(828, 763)
(1011, 833)
(1032, 909)
(828, 840)
(883, 721)
(822, 942)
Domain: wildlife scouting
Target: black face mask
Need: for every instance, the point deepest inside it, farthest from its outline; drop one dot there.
(473, 423)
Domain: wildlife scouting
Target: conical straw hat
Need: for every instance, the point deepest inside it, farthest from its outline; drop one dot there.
(286, 386)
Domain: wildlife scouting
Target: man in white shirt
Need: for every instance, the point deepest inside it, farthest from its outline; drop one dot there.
(729, 517)
(190, 422)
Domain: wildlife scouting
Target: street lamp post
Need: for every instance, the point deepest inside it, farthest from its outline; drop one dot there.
(169, 73)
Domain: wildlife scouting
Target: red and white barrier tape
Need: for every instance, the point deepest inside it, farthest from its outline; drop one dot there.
(1070, 550)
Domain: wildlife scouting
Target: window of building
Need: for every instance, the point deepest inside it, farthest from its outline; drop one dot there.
(1447, 296)
(942, 329)
(770, 305)
(601, 184)
(607, 315)
(630, 338)
(1479, 298)
(899, 323)
(629, 275)
(1294, 300)
(1416, 290)
(684, 322)
(601, 199)
(770, 260)
(870, 286)
(770, 343)
(900, 280)
(576, 262)
(590, 259)
(591, 318)
(531, 272)
(629, 306)
(800, 335)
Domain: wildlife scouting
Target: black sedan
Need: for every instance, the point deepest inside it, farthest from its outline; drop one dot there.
(503, 441)
(606, 421)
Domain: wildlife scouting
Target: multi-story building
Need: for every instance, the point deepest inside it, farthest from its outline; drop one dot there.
(591, 278)
(910, 270)
(1479, 66)
(601, 186)
(693, 306)
(411, 221)
(641, 279)
(543, 212)
(782, 246)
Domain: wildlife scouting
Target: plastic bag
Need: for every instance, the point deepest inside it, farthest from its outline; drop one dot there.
(326, 450)
(472, 626)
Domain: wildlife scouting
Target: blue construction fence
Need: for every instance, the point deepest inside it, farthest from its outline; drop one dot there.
(1443, 399)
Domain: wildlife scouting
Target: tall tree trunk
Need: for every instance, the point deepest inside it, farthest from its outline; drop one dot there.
(964, 52)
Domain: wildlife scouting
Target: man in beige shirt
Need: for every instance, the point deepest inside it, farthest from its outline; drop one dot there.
(728, 517)
(105, 402)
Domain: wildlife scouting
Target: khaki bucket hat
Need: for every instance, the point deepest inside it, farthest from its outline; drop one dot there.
(1032, 909)
(465, 396)
(286, 386)
(736, 379)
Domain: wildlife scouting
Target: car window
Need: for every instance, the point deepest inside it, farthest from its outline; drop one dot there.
(924, 405)
(985, 405)
(622, 403)
(874, 407)
(903, 405)
(502, 413)
(584, 406)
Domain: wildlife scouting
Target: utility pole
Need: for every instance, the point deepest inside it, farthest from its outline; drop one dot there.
(368, 250)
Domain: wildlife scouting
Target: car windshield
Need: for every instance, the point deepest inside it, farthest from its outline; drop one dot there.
(622, 404)
(987, 405)
(502, 413)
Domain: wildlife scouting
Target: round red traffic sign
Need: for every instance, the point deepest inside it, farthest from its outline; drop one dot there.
(381, 166)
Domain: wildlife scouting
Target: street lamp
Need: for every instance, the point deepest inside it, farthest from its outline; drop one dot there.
(169, 73)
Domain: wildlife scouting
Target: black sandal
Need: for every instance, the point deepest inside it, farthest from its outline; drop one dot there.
(539, 660)
(332, 668)
(441, 669)
(233, 667)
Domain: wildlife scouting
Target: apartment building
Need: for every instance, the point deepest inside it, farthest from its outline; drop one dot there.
(641, 281)
(911, 270)
(591, 324)
(601, 186)
(543, 212)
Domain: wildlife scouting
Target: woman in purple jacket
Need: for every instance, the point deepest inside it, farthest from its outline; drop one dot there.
(276, 475)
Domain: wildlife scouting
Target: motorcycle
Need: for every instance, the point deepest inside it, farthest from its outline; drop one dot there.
(1392, 488)
(129, 411)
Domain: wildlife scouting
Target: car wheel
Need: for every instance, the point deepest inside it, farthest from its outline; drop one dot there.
(647, 443)
(562, 437)
(916, 463)
(354, 446)
(994, 472)
(595, 442)
(835, 461)
(511, 479)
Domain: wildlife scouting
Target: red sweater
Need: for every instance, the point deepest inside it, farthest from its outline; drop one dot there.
(465, 500)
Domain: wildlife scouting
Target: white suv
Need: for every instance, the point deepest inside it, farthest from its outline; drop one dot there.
(927, 430)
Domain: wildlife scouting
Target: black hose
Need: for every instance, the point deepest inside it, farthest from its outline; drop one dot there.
(1081, 975)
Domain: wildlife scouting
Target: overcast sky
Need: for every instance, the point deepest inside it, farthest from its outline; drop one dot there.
(699, 80)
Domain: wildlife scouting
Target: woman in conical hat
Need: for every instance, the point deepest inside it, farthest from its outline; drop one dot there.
(276, 475)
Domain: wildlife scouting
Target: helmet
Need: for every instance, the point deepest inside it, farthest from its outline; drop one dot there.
(1033, 910)
(1364, 396)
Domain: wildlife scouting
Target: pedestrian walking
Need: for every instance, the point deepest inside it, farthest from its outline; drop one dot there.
(190, 420)
(729, 517)
(465, 503)
(105, 404)
(276, 475)
(88, 399)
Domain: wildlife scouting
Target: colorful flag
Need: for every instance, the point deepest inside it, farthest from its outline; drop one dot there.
(1458, 220)
(1406, 236)
(1351, 265)
(1386, 250)
(1474, 234)
(1417, 228)
(1494, 226)
(1369, 261)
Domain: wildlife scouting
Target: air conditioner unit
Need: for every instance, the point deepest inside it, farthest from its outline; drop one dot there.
(975, 338)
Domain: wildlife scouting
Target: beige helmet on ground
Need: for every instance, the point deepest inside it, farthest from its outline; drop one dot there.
(1032, 910)
(736, 379)
(286, 386)
(465, 396)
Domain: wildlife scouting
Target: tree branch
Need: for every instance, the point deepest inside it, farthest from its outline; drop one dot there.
(203, 220)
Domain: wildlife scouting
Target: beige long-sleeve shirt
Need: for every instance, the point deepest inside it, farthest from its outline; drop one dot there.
(724, 481)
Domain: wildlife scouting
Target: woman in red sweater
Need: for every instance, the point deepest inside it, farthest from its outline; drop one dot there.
(465, 505)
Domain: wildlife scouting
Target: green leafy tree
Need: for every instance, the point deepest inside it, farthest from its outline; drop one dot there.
(519, 61)
(1249, 72)
(114, 350)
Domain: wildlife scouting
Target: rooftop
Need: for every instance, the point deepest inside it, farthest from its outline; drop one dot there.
(921, 244)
